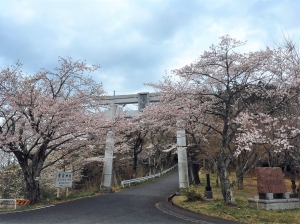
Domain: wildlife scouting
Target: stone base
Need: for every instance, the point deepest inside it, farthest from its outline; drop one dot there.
(275, 204)
(271, 196)
(208, 194)
(106, 190)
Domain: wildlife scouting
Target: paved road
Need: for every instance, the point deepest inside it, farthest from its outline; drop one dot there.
(142, 204)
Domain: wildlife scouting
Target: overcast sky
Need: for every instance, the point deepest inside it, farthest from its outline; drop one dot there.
(136, 41)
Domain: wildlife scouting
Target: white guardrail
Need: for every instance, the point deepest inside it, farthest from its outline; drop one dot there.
(8, 203)
(123, 182)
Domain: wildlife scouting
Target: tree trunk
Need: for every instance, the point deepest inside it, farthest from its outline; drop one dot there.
(240, 180)
(135, 157)
(137, 148)
(226, 186)
(217, 180)
(195, 169)
(32, 188)
(150, 166)
(31, 174)
(190, 173)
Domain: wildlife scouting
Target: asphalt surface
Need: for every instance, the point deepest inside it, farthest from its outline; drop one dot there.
(146, 203)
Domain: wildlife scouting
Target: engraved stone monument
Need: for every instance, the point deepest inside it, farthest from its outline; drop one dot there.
(270, 183)
(272, 192)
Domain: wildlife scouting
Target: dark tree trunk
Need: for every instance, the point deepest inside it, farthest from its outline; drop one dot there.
(31, 177)
(240, 183)
(33, 190)
(135, 158)
(217, 179)
(31, 168)
(240, 179)
(137, 149)
(195, 169)
(190, 173)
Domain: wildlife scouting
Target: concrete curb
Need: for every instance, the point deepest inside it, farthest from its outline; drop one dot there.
(170, 198)
(191, 215)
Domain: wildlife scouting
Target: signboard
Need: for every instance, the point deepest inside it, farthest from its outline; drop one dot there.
(63, 179)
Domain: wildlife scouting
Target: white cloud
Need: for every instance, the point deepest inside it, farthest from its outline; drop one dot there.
(19, 12)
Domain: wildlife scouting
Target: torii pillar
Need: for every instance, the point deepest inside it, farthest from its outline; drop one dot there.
(182, 158)
(106, 184)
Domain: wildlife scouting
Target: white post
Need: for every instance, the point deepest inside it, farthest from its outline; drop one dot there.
(106, 184)
(182, 158)
(57, 193)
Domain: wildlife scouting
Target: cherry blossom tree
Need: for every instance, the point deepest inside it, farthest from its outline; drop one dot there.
(130, 134)
(221, 86)
(161, 147)
(47, 112)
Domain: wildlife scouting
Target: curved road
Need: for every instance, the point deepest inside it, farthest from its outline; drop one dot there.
(142, 204)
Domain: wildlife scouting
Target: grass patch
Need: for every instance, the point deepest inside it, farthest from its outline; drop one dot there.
(241, 212)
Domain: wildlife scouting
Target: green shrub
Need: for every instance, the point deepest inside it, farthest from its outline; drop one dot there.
(192, 195)
(47, 192)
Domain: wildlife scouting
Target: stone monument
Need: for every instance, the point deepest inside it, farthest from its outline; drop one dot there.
(272, 192)
(270, 183)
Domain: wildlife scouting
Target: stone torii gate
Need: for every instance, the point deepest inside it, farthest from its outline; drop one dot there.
(142, 99)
